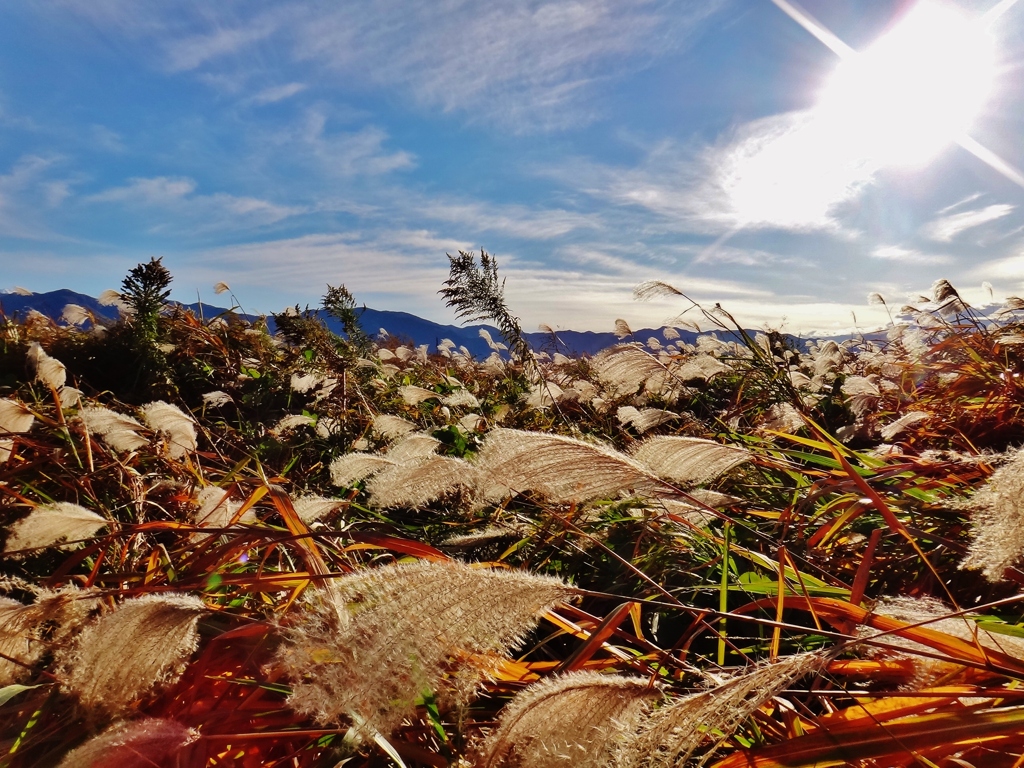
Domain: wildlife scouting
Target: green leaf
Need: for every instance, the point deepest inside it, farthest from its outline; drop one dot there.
(8, 692)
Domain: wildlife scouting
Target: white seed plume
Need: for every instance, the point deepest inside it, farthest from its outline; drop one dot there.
(216, 399)
(312, 508)
(625, 367)
(569, 721)
(141, 644)
(70, 397)
(217, 508)
(701, 368)
(6, 449)
(405, 354)
(997, 514)
(133, 744)
(669, 333)
(371, 643)
(15, 417)
(19, 291)
(118, 431)
(177, 426)
(304, 382)
(561, 468)
(904, 422)
(783, 417)
(644, 420)
(416, 445)
(49, 524)
(671, 735)
(75, 314)
(622, 329)
(293, 421)
(688, 460)
(392, 427)
(47, 370)
(414, 395)
(419, 482)
(352, 467)
(55, 615)
(221, 287)
(461, 398)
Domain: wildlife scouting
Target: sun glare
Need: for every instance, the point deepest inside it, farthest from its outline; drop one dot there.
(914, 91)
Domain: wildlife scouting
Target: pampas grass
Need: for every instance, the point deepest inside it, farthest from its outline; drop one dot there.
(177, 426)
(575, 720)
(118, 431)
(140, 645)
(419, 481)
(15, 417)
(645, 419)
(626, 367)
(370, 644)
(688, 460)
(47, 370)
(561, 468)
(48, 524)
(312, 508)
(392, 427)
(134, 744)
(352, 467)
(997, 512)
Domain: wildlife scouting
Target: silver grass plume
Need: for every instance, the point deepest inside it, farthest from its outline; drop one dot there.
(118, 431)
(59, 614)
(570, 721)
(221, 287)
(417, 445)
(75, 314)
(622, 329)
(669, 333)
(413, 395)
(217, 509)
(997, 514)
(392, 427)
(904, 422)
(216, 399)
(783, 417)
(420, 481)
(625, 367)
(371, 643)
(177, 426)
(312, 508)
(353, 467)
(461, 398)
(646, 419)
(49, 524)
(142, 644)
(564, 469)
(672, 734)
(47, 370)
(488, 535)
(688, 460)
(133, 744)
(701, 368)
(934, 615)
(654, 289)
(304, 382)
(15, 417)
(293, 421)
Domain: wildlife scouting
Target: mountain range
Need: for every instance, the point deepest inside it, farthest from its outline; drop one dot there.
(402, 325)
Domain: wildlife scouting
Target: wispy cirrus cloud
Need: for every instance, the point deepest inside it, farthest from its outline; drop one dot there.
(946, 228)
(276, 93)
(908, 255)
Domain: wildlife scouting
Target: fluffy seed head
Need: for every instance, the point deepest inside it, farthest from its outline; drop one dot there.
(216, 399)
(414, 395)
(419, 481)
(50, 523)
(997, 513)
(369, 645)
(688, 460)
(673, 733)
(60, 613)
(392, 427)
(175, 424)
(904, 422)
(217, 509)
(133, 744)
(15, 417)
(416, 445)
(48, 370)
(118, 431)
(562, 468)
(626, 367)
(353, 467)
(141, 644)
(574, 720)
(312, 508)
(643, 420)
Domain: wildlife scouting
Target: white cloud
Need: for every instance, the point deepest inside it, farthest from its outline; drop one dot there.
(156, 190)
(192, 52)
(277, 93)
(946, 228)
(908, 255)
(353, 153)
(510, 219)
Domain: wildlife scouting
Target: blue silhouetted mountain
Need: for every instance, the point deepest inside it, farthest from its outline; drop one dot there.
(401, 325)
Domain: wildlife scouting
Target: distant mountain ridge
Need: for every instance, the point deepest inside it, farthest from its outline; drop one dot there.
(399, 324)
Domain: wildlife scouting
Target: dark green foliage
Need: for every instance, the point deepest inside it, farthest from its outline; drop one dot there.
(341, 304)
(477, 293)
(145, 291)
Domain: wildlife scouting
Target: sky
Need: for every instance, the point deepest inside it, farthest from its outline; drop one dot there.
(782, 160)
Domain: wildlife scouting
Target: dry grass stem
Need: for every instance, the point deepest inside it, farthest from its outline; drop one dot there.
(672, 734)
(574, 720)
(688, 460)
(372, 643)
(141, 644)
(49, 524)
(134, 744)
(562, 468)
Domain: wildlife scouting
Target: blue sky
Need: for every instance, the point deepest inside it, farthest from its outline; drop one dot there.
(281, 146)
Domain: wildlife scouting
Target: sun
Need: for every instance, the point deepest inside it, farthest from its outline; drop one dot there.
(916, 90)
